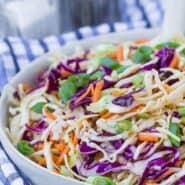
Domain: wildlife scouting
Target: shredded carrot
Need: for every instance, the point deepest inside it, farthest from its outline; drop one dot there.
(141, 41)
(74, 138)
(138, 108)
(174, 61)
(26, 87)
(98, 156)
(90, 89)
(55, 171)
(117, 92)
(65, 73)
(60, 146)
(166, 87)
(49, 114)
(61, 157)
(169, 172)
(119, 53)
(97, 91)
(42, 161)
(39, 146)
(107, 115)
(147, 137)
(179, 163)
(112, 54)
(80, 125)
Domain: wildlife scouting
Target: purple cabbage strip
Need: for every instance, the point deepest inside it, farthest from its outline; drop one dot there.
(77, 62)
(73, 105)
(16, 95)
(100, 168)
(53, 82)
(176, 114)
(86, 100)
(85, 149)
(128, 153)
(173, 81)
(164, 162)
(106, 70)
(124, 101)
(27, 135)
(127, 85)
(38, 127)
(165, 56)
(181, 181)
(117, 143)
(108, 84)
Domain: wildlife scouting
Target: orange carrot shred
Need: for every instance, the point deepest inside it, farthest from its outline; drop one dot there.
(169, 172)
(147, 137)
(85, 94)
(107, 115)
(61, 157)
(117, 92)
(49, 114)
(26, 87)
(42, 161)
(179, 163)
(119, 53)
(65, 73)
(141, 41)
(166, 87)
(74, 138)
(97, 90)
(174, 62)
(112, 55)
(60, 146)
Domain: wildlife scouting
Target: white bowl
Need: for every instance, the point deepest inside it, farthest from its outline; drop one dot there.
(37, 174)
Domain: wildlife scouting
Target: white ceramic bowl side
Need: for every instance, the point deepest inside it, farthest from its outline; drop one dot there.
(37, 174)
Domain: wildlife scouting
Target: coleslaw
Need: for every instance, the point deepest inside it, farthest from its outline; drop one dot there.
(110, 115)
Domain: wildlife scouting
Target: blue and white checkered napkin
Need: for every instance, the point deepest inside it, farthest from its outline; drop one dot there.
(16, 53)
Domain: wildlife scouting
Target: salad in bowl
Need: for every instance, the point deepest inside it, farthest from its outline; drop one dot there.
(110, 115)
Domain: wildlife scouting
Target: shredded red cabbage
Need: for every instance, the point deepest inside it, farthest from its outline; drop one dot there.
(38, 127)
(52, 80)
(165, 56)
(181, 181)
(85, 149)
(158, 166)
(124, 101)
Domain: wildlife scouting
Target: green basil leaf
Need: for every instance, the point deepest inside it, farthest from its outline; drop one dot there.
(100, 180)
(25, 148)
(183, 52)
(121, 69)
(96, 75)
(142, 54)
(181, 111)
(83, 80)
(109, 62)
(38, 107)
(167, 44)
(67, 90)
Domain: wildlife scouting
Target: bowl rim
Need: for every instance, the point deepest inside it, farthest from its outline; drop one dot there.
(4, 138)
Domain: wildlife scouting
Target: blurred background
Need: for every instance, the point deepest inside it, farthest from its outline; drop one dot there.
(40, 18)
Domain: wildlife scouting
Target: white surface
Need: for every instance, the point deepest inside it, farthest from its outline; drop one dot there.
(39, 175)
(30, 16)
(174, 18)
